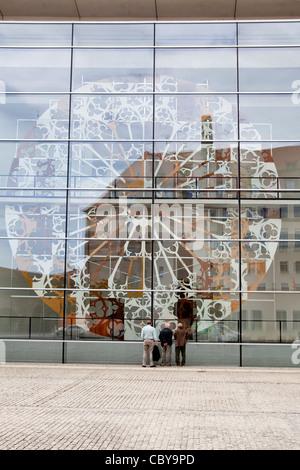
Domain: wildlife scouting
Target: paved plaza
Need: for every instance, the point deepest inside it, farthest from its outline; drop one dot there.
(94, 407)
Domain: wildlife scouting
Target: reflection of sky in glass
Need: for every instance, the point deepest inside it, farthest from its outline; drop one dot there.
(114, 35)
(113, 65)
(20, 114)
(273, 69)
(275, 116)
(195, 34)
(14, 34)
(269, 33)
(195, 69)
(35, 70)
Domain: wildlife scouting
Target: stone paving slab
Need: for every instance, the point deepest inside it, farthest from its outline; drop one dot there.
(92, 407)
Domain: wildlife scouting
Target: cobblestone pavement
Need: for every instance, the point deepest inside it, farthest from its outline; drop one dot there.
(92, 407)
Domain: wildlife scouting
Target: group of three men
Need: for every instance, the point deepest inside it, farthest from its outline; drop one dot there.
(149, 337)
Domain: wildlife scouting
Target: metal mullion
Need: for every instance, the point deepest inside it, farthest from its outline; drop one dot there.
(67, 198)
(239, 195)
(153, 173)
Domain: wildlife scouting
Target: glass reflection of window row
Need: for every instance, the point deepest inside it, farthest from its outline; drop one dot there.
(260, 220)
(93, 160)
(263, 275)
(272, 218)
(189, 193)
(279, 158)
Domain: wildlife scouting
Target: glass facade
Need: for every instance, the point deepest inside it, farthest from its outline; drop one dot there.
(150, 171)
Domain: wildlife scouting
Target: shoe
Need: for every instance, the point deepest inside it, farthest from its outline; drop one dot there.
(143, 366)
(152, 366)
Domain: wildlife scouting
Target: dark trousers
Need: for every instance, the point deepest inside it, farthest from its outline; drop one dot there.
(180, 350)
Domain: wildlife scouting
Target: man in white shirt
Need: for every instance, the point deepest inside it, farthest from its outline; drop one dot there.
(149, 336)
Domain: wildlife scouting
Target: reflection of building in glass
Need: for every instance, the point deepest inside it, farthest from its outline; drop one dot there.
(145, 191)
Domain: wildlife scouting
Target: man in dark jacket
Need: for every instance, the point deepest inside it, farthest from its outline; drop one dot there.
(181, 335)
(165, 337)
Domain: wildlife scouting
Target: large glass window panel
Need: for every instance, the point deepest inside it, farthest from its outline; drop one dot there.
(202, 265)
(38, 263)
(115, 117)
(273, 69)
(113, 34)
(34, 70)
(107, 314)
(270, 220)
(111, 165)
(137, 218)
(224, 331)
(207, 316)
(33, 214)
(196, 169)
(118, 270)
(280, 159)
(33, 164)
(269, 268)
(268, 117)
(113, 70)
(258, 171)
(189, 34)
(33, 250)
(197, 221)
(195, 70)
(195, 117)
(277, 33)
(34, 34)
(268, 317)
(26, 314)
(124, 218)
(270, 166)
(34, 117)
